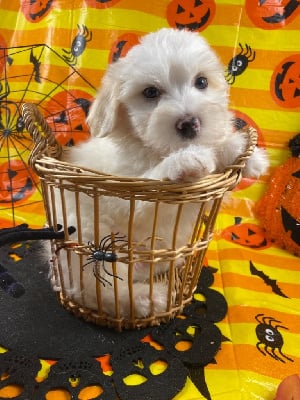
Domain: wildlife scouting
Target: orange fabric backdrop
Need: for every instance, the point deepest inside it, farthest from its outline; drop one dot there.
(55, 52)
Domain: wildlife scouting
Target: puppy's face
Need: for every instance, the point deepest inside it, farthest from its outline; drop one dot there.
(173, 90)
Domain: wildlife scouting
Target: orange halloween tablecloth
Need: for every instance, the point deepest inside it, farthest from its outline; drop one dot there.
(54, 53)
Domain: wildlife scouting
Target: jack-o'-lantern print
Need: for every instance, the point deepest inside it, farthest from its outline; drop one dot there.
(76, 379)
(246, 234)
(139, 369)
(279, 209)
(101, 3)
(194, 15)
(242, 121)
(17, 182)
(272, 14)
(36, 10)
(66, 113)
(122, 45)
(285, 82)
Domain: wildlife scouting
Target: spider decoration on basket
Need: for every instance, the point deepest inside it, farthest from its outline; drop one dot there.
(238, 64)
(104, 253)
(269, 336)
(78, 45)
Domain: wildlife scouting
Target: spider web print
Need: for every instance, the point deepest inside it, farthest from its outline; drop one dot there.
(36, 74)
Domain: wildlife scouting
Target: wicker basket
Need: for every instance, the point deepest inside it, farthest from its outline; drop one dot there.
(180, 278)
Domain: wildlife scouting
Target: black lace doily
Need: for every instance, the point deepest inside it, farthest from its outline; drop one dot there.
(33, 326)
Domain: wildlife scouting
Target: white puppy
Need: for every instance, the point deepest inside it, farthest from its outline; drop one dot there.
(161, 112)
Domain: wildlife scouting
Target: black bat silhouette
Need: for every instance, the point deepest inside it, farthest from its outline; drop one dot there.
(36, 67)
(268, 281)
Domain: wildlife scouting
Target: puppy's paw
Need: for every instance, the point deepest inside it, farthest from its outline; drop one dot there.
(257, 164)
(190, 164)
(231, 149)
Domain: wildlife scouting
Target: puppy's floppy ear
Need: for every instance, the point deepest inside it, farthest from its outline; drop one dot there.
(103, 113)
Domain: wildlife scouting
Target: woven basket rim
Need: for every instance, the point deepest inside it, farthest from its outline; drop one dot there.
(44, 159)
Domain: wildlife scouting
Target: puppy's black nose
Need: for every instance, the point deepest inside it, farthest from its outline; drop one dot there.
(188, 127)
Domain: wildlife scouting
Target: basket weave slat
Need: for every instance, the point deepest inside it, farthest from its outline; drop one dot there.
(180, 281)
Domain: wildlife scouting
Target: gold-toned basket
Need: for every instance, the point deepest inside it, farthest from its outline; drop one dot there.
(180, 280)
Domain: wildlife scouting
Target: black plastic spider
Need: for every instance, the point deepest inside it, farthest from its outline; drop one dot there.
(269, 336)
(102, 254)
(239, 63)
(78, 45)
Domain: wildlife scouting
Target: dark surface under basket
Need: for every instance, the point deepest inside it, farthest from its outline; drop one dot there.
(35, 327)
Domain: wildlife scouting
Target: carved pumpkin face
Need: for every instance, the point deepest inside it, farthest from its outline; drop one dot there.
(271, 14)
(36, 10)
(66, 113)
(279, 209)
(194, 15)
(242, 121)
(139, 370)
(76, 379)
(246, 234)
(285, 82)
(122, 45)
(17, 182)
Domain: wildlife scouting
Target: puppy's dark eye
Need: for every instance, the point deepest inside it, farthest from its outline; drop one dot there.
(201, 82)
(151, 92)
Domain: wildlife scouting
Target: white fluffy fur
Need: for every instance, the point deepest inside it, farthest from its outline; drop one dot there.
(136, 136)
